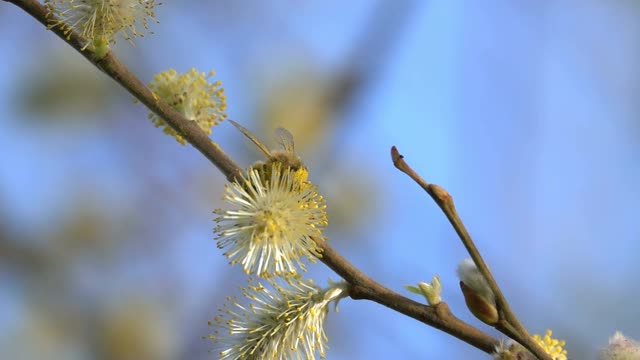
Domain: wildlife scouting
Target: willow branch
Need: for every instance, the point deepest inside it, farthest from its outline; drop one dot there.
(112, 66)
(438, 316)
(508, 322)
(361, 286)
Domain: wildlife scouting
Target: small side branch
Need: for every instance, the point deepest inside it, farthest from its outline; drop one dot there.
(438, 316)
(508, 323)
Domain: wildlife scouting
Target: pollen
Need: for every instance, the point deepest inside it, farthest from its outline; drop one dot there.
(192, 95)
(285, 320)
(553, 347)
(271, 223)
(99, 21)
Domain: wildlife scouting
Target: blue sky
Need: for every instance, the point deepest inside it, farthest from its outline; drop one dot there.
(526, 112)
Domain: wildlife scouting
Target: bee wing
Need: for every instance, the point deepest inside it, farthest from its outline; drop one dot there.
(285, 139)
(251, 137)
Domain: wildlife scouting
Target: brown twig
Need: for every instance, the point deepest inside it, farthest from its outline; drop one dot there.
(361, 286)
(508, 323)
(438, 316)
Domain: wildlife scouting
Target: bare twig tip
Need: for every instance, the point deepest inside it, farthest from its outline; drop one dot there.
(396, 156)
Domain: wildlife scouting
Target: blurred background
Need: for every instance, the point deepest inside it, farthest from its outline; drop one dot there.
(526, 111)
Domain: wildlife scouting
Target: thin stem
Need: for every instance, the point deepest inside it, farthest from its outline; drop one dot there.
(445, 202)
(361, 286)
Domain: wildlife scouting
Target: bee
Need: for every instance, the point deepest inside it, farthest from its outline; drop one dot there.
(285, 156)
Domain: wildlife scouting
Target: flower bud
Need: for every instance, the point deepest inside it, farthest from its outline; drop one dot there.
(620, 348)
(431, 292)
(477, 295)
(482, 309)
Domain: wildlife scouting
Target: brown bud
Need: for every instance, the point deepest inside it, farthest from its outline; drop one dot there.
(482, 308)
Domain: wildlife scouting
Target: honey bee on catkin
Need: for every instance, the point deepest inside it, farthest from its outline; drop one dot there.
(285, 156)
